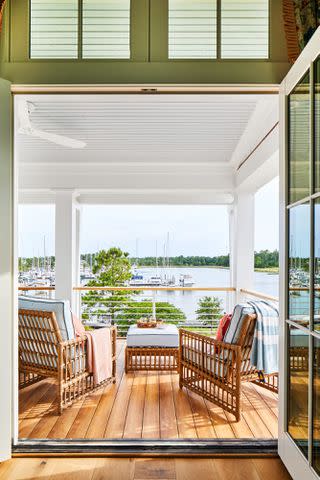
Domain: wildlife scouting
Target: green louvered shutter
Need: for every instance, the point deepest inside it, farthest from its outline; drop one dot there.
(54, 29)
(192, 29)
(245, 29)
(106, 29)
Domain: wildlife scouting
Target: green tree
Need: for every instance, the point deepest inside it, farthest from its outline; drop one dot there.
(112, 266)
(209, 309)
(113, 269)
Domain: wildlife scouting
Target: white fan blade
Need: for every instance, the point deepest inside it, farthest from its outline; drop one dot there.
(52, 137)
(23, 114)
(26, 128)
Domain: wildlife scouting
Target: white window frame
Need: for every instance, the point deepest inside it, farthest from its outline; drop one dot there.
(298, 466)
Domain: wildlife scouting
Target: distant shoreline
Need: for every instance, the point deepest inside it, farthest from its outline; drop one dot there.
(271, 270)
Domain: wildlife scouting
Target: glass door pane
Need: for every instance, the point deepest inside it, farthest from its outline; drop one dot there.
(299, 268)
(299, 141)
(317, 125)
(298, 387)
(316, 407)
(317, 265)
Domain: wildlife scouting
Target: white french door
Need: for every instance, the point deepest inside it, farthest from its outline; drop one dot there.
(6, 270)
(299, 400)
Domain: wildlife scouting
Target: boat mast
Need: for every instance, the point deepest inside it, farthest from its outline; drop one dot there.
(137, 250)
(44, 254)
(157, 257)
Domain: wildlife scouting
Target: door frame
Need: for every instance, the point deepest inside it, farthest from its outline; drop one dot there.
(7, 269)
(298, 466)
(165, 447)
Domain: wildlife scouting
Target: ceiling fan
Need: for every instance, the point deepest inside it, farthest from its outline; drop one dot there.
(26, 128)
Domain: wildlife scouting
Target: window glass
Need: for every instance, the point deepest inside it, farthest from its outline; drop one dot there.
(192, 29)
(299, 141)
(317, 265)
(317, 125)
(54, 29)
(316, 407)
(299, 264)
(244, 28)
(298, 387)
(106, 29)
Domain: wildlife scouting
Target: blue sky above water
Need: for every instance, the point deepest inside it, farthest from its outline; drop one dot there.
(143, 229)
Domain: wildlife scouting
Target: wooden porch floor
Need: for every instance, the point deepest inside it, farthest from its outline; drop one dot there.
(144, 405)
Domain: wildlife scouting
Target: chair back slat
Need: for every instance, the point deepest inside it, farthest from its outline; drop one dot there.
(39, 336)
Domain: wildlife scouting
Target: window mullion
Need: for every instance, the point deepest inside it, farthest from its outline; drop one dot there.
(80, 27)
(218, 26)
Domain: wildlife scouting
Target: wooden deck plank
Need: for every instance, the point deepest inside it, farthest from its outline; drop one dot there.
(41, 413)
(89, 408)
(219, 421)
(240, 429)
(117, 418)
(168, 420)
(99, 419)
(201, 417)
(252, 417)
(135, 412)
(184, 414)
(263, 408)
(30, 396)
(151, 416)
(134, 421)
(152, 407)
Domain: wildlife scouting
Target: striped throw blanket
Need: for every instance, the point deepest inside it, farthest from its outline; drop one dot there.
(264, 353)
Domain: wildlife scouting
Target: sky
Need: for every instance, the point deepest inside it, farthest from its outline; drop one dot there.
(143, 230)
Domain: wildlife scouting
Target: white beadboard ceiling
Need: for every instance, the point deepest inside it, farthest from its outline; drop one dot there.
(139, 128)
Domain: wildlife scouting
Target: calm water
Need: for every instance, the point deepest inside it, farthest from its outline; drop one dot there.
(207, 277)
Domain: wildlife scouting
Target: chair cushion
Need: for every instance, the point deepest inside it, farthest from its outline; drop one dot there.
(223, 327)
(61, 308)
(209, 362)
(153, 337)
(234, 329)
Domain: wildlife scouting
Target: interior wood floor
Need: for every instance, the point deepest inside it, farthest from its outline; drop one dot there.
(142, 469)
(144, 405)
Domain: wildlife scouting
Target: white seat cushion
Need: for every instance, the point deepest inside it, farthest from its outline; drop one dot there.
(61, 308)
(153, 337)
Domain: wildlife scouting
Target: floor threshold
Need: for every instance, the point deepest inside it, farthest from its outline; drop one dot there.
(181, 447)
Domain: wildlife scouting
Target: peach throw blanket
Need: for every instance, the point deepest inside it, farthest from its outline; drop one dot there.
(99, 350)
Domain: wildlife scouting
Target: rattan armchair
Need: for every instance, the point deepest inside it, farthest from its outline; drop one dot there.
(43, 353)
(215, 370)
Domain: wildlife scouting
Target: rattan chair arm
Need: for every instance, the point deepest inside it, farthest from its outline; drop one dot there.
(74, 341)
(210, 340)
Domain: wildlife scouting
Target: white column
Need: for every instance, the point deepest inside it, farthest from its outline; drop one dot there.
(67, 231)
(241, 231)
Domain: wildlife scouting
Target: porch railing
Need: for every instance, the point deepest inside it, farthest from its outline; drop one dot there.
(123, 306)
(187, 307)
(250, 294)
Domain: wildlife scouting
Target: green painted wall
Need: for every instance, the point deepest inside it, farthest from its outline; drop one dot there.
(6, 267)
(149, 63)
